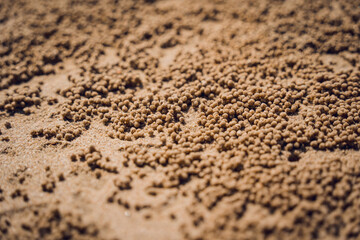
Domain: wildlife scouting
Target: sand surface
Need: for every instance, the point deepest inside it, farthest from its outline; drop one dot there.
(179, 119)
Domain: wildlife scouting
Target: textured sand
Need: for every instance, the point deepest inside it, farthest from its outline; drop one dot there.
(179, 119)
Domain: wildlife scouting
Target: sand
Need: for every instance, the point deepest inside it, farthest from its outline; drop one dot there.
(179, 119)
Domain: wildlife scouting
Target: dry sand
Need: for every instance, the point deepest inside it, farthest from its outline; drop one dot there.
(179, 119)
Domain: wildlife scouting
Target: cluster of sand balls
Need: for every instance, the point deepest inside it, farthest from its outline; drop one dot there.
(94, 160)
(232, 108)
(21, 100)
(58, 133)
